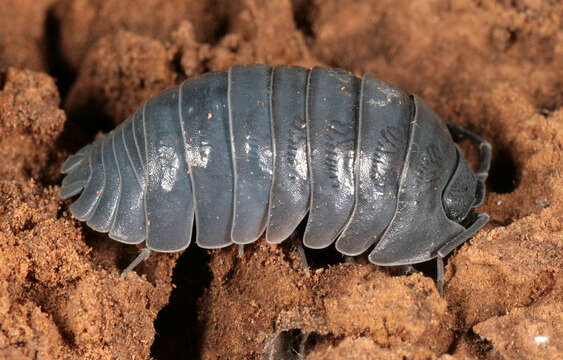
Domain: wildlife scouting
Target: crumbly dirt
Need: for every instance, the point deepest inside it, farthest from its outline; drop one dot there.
(72, 69)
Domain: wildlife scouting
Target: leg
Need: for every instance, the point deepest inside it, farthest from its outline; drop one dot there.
(298, 243)
(240, 251)
(143, 255)
(484, 147)
(302, 344)
(440, 274)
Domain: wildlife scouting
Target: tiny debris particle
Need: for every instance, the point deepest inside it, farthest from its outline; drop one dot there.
(148, 223)
(188, 171)
(323, 99)
(209, 115)
(343, 88)
(499, 202)
(375, 236)
(97, 192)
(303, 126)
(262, 103)
(540, 339)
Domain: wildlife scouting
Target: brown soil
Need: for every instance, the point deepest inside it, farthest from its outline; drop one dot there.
(493, 66)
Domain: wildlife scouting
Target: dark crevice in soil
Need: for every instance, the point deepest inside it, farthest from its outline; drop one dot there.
(178, 331)
(79, 130)
(66, 334)
(481, 346)
(222, 21)
(315, 338)
(176, 65)
(453, 346)
(302, 14)
(503, 176)
(57, 66)
(2, 80)
(497, 223)
(316, 258)
(221, 30)
(89, 119)
(428, 268)
(478, 347)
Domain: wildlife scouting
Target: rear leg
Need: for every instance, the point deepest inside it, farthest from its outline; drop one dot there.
(143, 255)
(240, 251)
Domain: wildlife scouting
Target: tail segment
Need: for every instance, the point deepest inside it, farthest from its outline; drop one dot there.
(106, 174)
(77, 170)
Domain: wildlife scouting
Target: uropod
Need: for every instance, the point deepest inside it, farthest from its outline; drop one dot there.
(255, 149)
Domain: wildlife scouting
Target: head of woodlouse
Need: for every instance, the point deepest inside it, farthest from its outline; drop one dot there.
(463, 192)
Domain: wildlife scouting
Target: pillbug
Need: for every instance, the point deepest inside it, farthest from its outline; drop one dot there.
(255, 149)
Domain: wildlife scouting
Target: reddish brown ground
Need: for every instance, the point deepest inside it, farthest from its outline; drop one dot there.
(495, 67)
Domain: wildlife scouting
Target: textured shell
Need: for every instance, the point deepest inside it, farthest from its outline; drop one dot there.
(256, 149)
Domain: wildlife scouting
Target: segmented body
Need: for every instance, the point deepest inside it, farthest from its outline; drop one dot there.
(255, 150)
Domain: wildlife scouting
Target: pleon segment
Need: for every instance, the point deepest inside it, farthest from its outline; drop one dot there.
(83, 208)
(103, 217)
(72, 162)
(77, 168)
(129, 225)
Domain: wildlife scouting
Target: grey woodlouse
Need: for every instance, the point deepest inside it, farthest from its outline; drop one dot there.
(257, 148)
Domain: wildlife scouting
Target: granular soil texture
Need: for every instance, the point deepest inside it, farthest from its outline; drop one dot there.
(72, 69)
